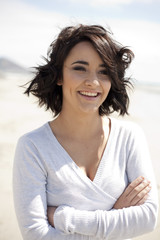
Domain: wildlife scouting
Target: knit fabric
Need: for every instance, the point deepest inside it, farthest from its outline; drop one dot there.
(45, 175)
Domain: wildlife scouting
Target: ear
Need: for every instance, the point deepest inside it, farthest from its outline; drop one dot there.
(59, 82)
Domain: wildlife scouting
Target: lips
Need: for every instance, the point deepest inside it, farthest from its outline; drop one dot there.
(89, 94)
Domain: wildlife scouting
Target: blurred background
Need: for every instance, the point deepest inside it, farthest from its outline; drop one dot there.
(27, 27)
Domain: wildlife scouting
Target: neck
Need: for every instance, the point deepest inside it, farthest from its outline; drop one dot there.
(84, 126)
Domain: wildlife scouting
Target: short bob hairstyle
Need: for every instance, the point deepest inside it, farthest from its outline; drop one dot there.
(116, 58)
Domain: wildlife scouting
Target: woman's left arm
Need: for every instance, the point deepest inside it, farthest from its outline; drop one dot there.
(117, 223)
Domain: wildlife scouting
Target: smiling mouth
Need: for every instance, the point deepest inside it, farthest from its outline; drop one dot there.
(89, 94)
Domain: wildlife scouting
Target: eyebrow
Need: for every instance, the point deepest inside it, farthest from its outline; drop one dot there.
(81, 62)
(86, 63)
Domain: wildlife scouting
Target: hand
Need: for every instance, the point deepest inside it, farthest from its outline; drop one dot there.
(135, 194)
(50, 214)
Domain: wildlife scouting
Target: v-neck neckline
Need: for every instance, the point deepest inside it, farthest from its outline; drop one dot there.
(73, 164)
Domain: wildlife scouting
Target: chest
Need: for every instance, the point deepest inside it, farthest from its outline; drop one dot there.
(67, 184)
(86, 155)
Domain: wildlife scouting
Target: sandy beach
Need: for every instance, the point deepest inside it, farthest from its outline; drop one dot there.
(20, 114)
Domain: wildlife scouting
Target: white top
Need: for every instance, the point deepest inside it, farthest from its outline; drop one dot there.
(44, 174)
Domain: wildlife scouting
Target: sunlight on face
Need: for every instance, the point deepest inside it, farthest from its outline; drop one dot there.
(85, 83)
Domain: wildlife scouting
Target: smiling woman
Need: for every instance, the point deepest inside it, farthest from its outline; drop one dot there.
(114, 58)
(84, 175)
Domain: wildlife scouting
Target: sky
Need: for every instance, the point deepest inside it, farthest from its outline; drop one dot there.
(27, 27)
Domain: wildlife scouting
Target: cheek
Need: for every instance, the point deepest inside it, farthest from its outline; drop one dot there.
(76, 78)
(108, 86)
(69, 84)
(72, 80)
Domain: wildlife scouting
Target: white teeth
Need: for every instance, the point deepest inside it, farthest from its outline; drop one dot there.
(90, 94)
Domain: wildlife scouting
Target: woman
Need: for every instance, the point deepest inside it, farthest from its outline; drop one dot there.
(84, 175)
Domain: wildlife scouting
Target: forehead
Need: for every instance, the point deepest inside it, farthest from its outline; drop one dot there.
(83, 51)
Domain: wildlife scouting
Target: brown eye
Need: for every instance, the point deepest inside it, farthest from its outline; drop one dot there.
(79, 68)
(104, 72)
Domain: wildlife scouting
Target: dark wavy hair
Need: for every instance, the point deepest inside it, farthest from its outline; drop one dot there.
(115, 57)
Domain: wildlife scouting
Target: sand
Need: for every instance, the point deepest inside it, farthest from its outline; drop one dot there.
(20, 114)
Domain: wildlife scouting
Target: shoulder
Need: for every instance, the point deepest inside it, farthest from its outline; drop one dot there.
(29, 152)
(125, 126)
(127, 131)
(35, 137)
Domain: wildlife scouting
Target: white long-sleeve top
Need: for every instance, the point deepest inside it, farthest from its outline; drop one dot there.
(45, 175)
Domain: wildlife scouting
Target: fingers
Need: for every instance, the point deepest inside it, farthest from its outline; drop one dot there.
(142, 196)
(133, 185)
(135, 194)
(142, 201)
(137, 191)
(50, 214)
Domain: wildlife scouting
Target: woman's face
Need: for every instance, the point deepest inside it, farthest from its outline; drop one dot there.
(85, 82)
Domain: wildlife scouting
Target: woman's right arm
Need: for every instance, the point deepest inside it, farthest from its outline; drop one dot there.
(29, 190)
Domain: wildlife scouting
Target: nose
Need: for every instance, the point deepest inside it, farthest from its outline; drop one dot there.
(92, 80)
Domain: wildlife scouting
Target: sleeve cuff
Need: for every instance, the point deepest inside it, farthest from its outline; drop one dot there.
(69, 221)
(63, 218)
